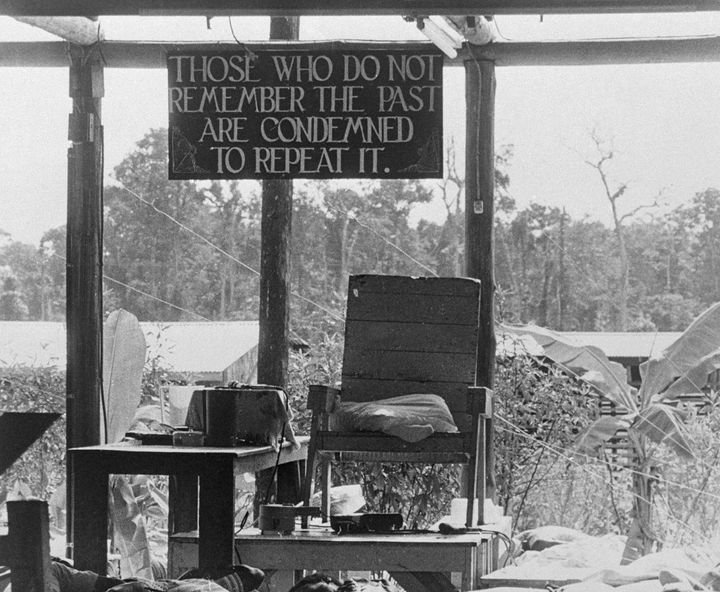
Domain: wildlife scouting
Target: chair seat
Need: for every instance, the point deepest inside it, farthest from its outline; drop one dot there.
(438, 448)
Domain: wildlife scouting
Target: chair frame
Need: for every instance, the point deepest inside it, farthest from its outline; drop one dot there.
(466, 447)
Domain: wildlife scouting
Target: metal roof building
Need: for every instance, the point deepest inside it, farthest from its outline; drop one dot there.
(208, 352)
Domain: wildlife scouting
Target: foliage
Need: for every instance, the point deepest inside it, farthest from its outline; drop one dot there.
(42, 467)
(321, 364)
(539, 412)
(550, 268)
(651, 417)
(541, 401)
(687, 494)
(12, 305)
(123, 361)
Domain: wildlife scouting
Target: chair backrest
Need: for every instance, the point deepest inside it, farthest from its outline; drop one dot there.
(407, 335)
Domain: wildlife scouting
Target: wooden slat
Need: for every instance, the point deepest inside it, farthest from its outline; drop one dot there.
(135, 54)
(411, 337)
(435, 286)
(440, 443)
(360, 390)
(418, 308)
(413, 366)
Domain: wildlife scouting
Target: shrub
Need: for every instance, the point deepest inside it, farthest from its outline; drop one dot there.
(539, 411)
(42, 467)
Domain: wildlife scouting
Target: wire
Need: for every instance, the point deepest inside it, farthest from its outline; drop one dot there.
(381, 237)
(190, 230)
(129, 287)
(175, 306)
(616, 465)
(224, 252)
(558, 452)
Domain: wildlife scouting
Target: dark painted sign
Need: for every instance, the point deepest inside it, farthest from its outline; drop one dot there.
(321, 112)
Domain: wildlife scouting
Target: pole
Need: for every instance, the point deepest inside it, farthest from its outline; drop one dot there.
(84, 259)
(479, 219)
(275, 236)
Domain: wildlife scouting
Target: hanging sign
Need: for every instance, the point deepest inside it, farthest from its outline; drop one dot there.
(322, 112)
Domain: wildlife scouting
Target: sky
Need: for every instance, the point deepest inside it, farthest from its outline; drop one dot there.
(663, 120)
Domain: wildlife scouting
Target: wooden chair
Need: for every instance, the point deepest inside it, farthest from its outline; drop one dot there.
(407, 335)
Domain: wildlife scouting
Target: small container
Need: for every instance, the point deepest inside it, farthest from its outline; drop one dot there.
(220, 411)
(276, 518)
(188, 438)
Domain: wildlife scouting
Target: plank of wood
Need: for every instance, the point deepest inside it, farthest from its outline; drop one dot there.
(403, 285)
(29, 529)
(441, 443)
(409, 336)
(414, 308)
(413, 366)
(80, 30)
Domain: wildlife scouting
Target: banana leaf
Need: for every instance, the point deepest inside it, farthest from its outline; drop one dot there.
(680, 363)
(694, 379)
(600, 431)
(129, 530)
(663, 424)
(586, 362)
(123, 362)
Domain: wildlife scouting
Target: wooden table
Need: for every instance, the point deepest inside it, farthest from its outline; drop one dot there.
(212, 510)
(416, 561)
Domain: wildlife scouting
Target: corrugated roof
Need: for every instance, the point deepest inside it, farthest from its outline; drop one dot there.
(181, 347)
(626, 344)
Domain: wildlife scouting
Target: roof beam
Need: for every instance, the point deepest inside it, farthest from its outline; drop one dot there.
(600, 52)
(76, 29)
(561, 53)
(341, 7)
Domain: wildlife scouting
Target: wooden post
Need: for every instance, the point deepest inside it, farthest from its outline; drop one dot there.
(84, 258)
(479, 221)
(275, 235)
(29, 545)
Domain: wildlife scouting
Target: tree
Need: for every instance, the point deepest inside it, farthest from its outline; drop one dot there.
(163, 269)
(12, 304)
(700, 224)
(614, 193)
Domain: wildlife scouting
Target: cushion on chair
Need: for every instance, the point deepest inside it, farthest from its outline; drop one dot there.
(409, 417)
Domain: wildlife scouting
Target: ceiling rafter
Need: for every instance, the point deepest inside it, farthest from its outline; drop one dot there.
(76, 29)
(133, 54)
(342, 7)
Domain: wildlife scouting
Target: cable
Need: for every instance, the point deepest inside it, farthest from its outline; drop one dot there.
(129, 287)
(558, 452)
(155, 298)
(225, 253)
(615, 465)
(381, 237)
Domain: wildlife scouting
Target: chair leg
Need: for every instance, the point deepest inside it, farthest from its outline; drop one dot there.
(471, 490)
(475, 476)
(307, 488)
(326, 476)
(481, 478)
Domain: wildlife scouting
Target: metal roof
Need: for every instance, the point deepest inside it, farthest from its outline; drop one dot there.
(626, 344)
(181, 347)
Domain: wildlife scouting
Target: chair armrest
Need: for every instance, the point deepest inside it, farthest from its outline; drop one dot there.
(480, 401)
(322, 398)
